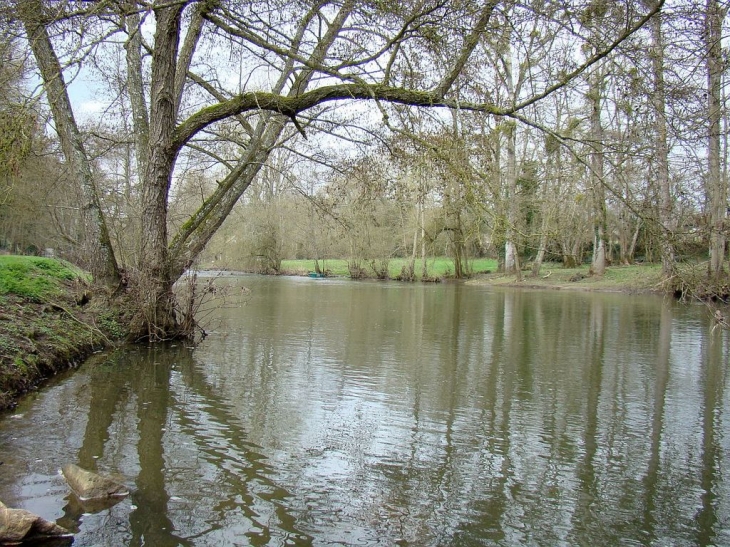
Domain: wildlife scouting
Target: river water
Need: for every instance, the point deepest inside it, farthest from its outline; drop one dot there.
(325, 412)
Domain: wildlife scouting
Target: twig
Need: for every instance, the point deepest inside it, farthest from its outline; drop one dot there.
(92, 328)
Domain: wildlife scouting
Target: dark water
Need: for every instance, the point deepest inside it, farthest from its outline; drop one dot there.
(338, 413)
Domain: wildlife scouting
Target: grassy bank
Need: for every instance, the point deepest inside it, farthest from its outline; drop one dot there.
(436, 267)
(49, 321)
(635, 278)
(628, 279)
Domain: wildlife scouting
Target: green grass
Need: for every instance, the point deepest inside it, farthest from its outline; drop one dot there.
(34, 277)
(437, 267)
(637, 277)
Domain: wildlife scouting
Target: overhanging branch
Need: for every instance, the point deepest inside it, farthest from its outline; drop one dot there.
(291, 106)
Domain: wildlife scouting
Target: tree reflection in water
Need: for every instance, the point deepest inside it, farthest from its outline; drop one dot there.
(371, 413)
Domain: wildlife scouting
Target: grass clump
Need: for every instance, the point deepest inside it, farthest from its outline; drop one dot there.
(108, 322)
(35, 278)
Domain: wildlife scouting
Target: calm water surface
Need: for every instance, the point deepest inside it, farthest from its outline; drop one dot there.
(339, 413)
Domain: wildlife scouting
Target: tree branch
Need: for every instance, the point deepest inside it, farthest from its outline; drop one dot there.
(470, 42)
(601, 54)
(291, 106)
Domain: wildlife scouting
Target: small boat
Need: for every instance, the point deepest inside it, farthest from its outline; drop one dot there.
(316, 275)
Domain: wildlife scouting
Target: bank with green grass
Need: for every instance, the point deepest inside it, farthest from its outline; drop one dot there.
(637, 278)
(50, 320)
(633, 278)
(436, 268)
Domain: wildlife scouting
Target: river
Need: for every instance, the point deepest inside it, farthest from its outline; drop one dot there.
(330, 412)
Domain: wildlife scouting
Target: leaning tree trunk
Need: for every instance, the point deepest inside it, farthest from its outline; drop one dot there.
(96, 248)
(195, 234)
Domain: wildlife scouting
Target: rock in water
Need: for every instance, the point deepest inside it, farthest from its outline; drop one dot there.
(87, 485)
(18, 526)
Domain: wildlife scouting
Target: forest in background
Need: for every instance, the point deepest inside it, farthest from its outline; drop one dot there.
(576, 131)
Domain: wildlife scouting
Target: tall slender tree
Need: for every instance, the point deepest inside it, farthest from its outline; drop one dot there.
(716, 186)
(95, 237)
(661, 146)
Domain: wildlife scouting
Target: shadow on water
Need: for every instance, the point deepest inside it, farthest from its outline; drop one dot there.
(714, 382)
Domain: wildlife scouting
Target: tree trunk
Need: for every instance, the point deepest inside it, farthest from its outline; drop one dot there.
(424, 262)
(661, 149)
(511, 253)
(414, 250)
(598, 264)
(544, 227)
(155, 280)
(135, 90)
(553, 172)
(624, 229)
(634, 240)
(96, 249)
(715, 190)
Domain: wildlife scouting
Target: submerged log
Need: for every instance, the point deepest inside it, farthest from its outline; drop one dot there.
(90, 486)
(18, 526)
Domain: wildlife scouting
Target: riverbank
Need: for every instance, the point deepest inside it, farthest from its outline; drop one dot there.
(638, 278)
(625, 279)
(49, 321)
(395, 268)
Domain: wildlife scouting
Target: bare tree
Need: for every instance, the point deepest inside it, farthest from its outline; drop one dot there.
(293, 60)
(661, 146)
(96, 240)
(716, 186)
